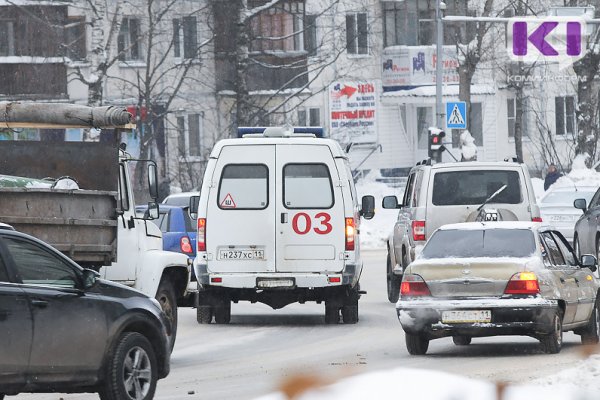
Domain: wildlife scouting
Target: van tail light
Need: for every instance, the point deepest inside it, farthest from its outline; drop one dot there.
(201, 234)
(350, 230)
(418, 230)
(185, 245)
(523, 283)
(536, 219)
(414, 285)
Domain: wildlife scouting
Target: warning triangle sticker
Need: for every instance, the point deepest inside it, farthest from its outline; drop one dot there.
(228, 202)
(456, 117)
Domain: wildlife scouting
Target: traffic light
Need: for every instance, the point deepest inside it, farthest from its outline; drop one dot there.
(436, 146)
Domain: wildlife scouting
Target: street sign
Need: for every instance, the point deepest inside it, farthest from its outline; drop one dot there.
(456, 115)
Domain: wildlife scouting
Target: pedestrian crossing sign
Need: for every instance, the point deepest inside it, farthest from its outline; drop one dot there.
(456, 115)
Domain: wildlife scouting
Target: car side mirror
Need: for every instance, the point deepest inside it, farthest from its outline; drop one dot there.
(390, 202)
(152, 211)
(194, 202)
(89, 278)
(367, 210)
(153, 181)
(589, 261)
(580, 204)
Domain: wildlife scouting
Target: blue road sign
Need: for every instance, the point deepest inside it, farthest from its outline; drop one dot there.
(456, 115)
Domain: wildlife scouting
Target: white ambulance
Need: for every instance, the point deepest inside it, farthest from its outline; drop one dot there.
(278, 223)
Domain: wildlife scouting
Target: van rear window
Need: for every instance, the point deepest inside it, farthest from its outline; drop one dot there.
(244, 186)
(474, 187)
(307, 186)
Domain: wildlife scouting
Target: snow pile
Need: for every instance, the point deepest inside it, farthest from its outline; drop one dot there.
(374, 232)
(467, 146)
(579, 383)
(538, 188)
(580, 175)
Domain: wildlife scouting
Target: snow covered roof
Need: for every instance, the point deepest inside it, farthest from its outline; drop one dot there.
(447, 91)
(491, 225)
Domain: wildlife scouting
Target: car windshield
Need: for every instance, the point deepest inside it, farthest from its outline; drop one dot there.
(474, 187)
(180, 201)
(462, 243)
(564, 197)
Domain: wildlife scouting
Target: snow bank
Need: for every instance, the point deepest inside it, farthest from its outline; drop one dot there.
(578, 383)
(580, 175)
(374, 232)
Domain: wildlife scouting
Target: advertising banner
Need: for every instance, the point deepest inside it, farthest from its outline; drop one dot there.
(352, 107)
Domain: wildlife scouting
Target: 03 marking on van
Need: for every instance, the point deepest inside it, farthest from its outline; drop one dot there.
(245, 254)
(228, 202)
(322, 218)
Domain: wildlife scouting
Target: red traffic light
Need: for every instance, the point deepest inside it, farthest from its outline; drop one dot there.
(435, 139)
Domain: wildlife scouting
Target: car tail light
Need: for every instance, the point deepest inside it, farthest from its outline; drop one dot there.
(536, 219)
(201, 234)
(418, 230)
(414, 285)
(523, 283)
(350, 234)
(185, 245)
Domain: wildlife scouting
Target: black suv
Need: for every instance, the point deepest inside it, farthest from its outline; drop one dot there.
(66, 330)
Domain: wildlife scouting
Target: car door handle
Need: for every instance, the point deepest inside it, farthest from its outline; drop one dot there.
(284, 218)
(39, 303)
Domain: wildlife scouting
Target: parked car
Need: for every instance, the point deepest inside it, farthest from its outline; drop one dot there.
(587, 228)
(64, 329)
(556, 207)
(449, 193)
(498, 278)
(179, 199)
(177, 227)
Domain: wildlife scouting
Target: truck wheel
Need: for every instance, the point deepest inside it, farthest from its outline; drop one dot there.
(350, 307)
(204, 314)
(132, 370)
(416, 344)
(591, 333)
(461, 340)
(168, 301)
(223, 312)
(393, 282)
(332, 313)
(552, 343)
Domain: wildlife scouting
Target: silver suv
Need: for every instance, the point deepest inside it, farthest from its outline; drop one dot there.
(447, 193)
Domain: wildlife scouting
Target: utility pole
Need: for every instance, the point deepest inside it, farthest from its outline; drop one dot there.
(439, 27)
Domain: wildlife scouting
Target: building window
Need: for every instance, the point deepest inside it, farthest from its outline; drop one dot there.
(565, 115)
(185, 37)
(189, 136)
(310, 35)
(357, 34)
(310, 117)
(514, 108)
(279, 28)
(7, 38)
(129, 40)
(75, 36)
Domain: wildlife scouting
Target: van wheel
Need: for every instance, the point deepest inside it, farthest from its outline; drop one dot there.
(416, 344)
(223, 312)
(393, 282)
(350, 314)
(552, 343)
(204, 314)
(168, 301)
(132, 370)
(332, 314)
(461, 340)
(591, 334)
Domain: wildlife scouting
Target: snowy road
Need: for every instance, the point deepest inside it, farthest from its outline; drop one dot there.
(261, 346)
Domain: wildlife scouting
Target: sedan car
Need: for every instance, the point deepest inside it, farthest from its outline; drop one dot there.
(587, 228)
(498, 278)
(66, 330)
(556, 207)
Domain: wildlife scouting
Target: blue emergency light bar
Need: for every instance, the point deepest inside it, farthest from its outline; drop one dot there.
(317, 131)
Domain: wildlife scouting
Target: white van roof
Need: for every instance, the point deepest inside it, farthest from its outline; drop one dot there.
(296, 139)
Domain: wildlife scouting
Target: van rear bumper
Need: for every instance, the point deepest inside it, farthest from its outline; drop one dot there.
(296, 280)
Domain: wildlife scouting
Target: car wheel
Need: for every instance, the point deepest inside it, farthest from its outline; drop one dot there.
(393, 282)
(461, 340)
(132, 371)
(552, 343)
(168, 301)
(416, 344)
(576, 247)
(332, 313)
(591, 334)
(350, 307)
(223, 312)
(204, 314)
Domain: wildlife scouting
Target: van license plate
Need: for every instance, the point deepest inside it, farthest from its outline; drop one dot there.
(241, 254)
(274, 283)
(466, 316)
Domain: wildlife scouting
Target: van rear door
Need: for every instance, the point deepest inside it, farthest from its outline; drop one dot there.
(310, 235)
(240, 218)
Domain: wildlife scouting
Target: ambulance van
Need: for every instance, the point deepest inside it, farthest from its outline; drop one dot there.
(278, 223)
